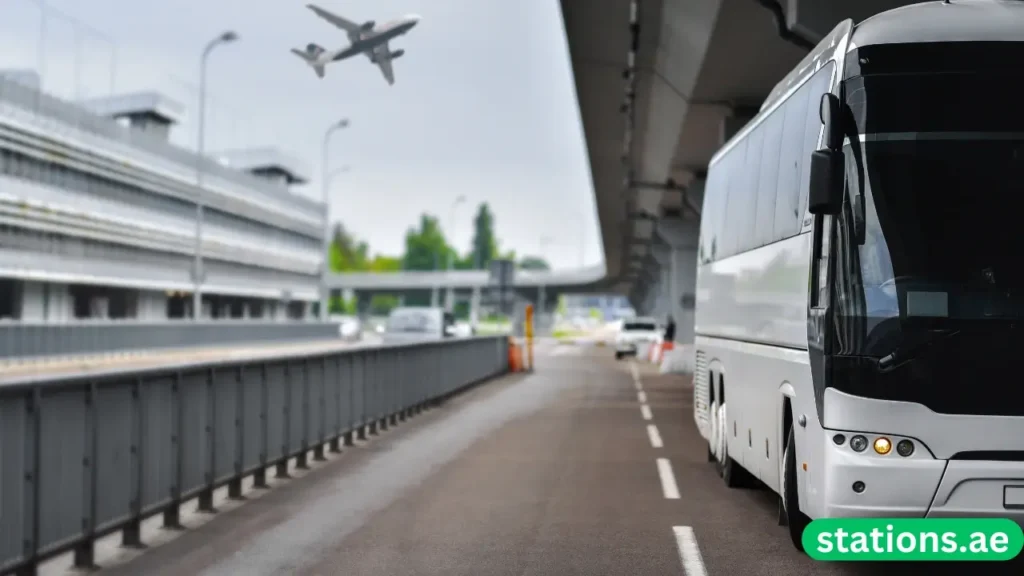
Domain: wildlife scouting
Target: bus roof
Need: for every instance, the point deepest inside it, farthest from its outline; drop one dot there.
(821, 54)
(957, 21)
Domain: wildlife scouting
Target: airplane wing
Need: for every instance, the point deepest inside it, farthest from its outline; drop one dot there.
(383, 56)
(343, 23)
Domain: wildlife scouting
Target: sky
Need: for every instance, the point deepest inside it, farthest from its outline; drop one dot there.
(483, 106)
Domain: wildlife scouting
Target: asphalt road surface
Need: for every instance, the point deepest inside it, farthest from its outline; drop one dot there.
(587, 466)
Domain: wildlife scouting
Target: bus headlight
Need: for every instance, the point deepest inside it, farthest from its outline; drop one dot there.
(905, 448)
(858, 443)
(883, 446)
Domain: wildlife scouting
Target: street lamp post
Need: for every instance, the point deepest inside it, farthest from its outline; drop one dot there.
(325, 196)
(197, 267)
(450, 295)
(541, 292)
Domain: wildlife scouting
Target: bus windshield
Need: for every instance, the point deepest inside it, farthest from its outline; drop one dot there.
(941, 165)
(928, 290)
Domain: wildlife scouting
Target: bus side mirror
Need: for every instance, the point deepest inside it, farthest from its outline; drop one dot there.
(826, 190)
(830, 113)
(827, 166)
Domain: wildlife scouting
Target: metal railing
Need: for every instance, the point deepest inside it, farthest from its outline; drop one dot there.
(30, 341)
(89, 455)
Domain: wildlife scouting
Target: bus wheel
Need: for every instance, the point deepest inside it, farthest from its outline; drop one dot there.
(795, 519)
(734, 475)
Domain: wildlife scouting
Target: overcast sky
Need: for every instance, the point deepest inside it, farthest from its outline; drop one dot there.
(483, 106)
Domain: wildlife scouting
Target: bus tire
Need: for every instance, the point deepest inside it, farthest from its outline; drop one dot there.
(796, 520)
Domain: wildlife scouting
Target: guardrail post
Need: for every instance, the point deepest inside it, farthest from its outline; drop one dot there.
(172, 514)
(33, 441)
(321, 407)
(85, 550)
(363, 384)
(286, 432)
(131, 534)
(403, 404)
(259, 477)
(372, 382)
(393, 387)
(235, 484)
(301, 462)
(349, 440)
(335, 443)
(206, 495)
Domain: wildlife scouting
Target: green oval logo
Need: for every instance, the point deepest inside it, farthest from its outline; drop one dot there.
(910, 539)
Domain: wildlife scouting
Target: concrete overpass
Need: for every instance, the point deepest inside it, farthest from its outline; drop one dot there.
(538, 286)
(462, 279)
(662, 84)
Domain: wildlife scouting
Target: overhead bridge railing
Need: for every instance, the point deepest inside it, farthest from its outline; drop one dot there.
(86, 456)
(25, 342)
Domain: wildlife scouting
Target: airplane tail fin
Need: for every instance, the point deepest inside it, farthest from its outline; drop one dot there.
(309, 56)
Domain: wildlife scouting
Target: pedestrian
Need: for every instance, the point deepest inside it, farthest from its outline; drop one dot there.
(670, 330)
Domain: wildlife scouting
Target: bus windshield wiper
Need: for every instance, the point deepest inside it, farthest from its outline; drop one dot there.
(914, 349)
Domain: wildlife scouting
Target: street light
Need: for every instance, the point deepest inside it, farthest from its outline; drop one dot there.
(450, 295)
(325, 185)
(197, 271)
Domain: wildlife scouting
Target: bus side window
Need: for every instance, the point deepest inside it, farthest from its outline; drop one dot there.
(822, 242)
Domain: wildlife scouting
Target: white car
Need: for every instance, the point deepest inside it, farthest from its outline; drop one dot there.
(416, 324)
(635, 332)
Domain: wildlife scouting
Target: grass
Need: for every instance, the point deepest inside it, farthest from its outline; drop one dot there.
(567, 334)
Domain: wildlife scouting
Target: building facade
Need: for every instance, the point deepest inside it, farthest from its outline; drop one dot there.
(98, 217)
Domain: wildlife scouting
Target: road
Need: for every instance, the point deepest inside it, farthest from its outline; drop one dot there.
(553, 473)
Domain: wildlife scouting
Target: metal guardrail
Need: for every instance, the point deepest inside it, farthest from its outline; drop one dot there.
(86, 456)
(29, 340)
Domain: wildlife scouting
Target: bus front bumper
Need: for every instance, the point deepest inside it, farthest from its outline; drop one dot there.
(919, 486)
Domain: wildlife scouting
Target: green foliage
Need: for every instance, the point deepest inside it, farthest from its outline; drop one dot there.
(385, 264)
(485, 244)
(345, 253)
(563, 306)
(382, 304)
(596, 314)
(426, 247)
(533, 263)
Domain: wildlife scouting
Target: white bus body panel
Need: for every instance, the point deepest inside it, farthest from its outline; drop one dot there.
(751, 323)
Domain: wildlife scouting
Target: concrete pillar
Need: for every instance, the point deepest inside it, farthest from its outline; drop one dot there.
(681, 237)
(33, 302)
(152, 305)
(363, 305)
(474, 306)
(99, 307)
(434, 297)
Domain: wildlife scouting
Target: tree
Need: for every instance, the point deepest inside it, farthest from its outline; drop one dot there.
(385, 264)
(533, 263)
(485, 246)
(345, 254)
(426, 247)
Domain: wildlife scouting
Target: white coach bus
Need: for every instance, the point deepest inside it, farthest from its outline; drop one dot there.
(860, 308)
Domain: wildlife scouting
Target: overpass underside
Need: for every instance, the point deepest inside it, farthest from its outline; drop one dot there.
(662, 84)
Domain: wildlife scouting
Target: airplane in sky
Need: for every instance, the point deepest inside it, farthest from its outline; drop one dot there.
(367, 38)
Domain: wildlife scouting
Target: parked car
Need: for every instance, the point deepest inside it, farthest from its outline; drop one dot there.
(410, 324)
(635, 332)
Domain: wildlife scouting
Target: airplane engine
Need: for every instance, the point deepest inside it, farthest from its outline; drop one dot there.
(368, 26)
(397, 54)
